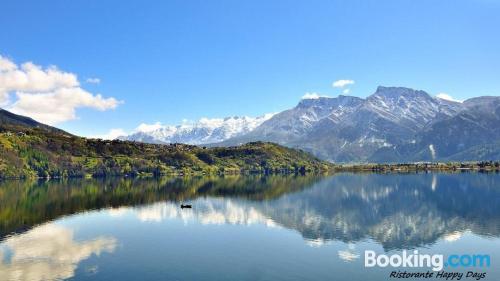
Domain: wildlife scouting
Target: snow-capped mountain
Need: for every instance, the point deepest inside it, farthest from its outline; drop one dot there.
(413, 109)
(293, 124)
(393, 124)
(203, 131)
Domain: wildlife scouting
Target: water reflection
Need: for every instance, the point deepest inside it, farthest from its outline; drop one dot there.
(240, 228)
(206, 211)
(47, 252)
(24, 204)
(350, 254)
(396, 211)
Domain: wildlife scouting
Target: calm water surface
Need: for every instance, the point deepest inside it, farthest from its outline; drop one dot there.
(242, 228)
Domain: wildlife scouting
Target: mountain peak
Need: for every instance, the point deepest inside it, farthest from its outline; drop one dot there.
(392, 92)
(481, 100)
(392, 124)
(313, 102)
(328, 101)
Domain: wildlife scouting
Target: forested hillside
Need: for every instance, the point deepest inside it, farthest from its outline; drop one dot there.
(48, 152)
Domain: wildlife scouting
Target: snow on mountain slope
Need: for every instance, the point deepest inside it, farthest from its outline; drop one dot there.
(386, 126)
(413, 109)
(203, 131)
(297, 122)
(393, 124)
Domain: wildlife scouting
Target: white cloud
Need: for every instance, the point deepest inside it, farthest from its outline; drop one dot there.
(93, 80)
(342, 83)
(145, 128)
(346, 91)
(48, 95)
(313, 96)
(59, 105)
(111, 135)
(445, 96)
(32, 78)
(6, 64)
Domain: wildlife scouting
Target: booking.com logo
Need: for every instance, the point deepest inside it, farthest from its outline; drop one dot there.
(437, 262)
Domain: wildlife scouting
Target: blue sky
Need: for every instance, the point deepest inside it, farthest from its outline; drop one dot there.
(172, 60)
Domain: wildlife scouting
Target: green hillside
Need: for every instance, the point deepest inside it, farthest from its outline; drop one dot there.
(40, 152)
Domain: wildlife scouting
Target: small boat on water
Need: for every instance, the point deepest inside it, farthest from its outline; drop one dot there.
(186, 206)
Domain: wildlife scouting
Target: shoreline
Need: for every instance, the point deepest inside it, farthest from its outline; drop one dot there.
(476, 166)
(406, 168)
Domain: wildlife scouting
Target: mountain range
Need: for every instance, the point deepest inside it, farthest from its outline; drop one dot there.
(394, 124)
(29, 149)
(201, 132)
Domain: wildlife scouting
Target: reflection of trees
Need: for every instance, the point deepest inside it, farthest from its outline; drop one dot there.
(398, 211)
(47, 252)
(27, 203)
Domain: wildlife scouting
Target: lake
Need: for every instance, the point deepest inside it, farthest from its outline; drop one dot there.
(245, 227)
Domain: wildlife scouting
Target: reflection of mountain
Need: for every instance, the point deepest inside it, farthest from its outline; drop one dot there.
(397, 211)
(206, 211)
(47, 252)
(24, 204)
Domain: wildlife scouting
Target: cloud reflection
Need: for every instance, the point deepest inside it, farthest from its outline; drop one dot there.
(348, 255)
(47, 252)
(452, 237)
(206, 211)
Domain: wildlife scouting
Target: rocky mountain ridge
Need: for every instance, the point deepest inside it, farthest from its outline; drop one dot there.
(394, 124)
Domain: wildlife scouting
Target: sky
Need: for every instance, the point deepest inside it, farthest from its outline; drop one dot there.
(92, 66)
